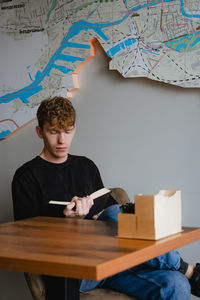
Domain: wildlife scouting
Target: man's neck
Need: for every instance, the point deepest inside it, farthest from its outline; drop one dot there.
(52, 159)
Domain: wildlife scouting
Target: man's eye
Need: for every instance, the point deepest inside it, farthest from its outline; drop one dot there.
(53, 131)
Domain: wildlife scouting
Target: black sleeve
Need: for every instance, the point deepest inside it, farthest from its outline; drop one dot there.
(25, 195)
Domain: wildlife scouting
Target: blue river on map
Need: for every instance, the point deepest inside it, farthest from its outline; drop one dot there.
(35, 87)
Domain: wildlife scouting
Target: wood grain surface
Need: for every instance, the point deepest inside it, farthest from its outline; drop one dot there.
(78, 248)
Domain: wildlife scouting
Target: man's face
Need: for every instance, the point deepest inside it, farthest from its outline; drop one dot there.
(57, 142)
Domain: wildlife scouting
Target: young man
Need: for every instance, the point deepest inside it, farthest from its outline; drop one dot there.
(57, 175)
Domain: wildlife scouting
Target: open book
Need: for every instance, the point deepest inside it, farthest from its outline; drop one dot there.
(94, 195)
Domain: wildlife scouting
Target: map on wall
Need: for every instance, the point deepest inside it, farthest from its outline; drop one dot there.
(43, 42)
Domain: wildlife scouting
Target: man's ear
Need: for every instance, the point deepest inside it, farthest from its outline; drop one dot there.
(39, 132)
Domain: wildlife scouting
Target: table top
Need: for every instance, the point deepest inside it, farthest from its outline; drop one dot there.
(78, 248)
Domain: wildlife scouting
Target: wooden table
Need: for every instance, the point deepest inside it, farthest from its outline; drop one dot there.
(77, 249)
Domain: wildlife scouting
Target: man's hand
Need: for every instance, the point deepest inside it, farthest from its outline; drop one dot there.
(82, 207)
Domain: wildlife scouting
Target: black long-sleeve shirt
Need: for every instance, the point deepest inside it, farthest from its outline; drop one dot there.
(39, 181)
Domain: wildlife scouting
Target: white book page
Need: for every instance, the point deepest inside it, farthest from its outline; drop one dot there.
(94, 195)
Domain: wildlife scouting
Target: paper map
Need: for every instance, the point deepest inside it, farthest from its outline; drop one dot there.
(43, 42)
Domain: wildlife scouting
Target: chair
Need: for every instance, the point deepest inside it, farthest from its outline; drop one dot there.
(36, 284)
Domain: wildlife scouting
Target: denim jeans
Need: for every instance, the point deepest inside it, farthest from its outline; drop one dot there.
(156, 279)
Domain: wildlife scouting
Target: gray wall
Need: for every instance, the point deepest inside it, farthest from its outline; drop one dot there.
(143, 135)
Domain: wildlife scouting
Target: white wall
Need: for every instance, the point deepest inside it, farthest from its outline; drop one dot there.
(143, 135)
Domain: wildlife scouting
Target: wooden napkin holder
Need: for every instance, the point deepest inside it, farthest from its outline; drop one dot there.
(155, 216)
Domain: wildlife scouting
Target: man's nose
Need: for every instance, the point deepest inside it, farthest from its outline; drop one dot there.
(61, 138)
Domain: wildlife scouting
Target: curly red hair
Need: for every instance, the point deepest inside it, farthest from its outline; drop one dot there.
(57, 111)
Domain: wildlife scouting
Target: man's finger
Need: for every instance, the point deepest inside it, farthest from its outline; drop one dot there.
(71, 205)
